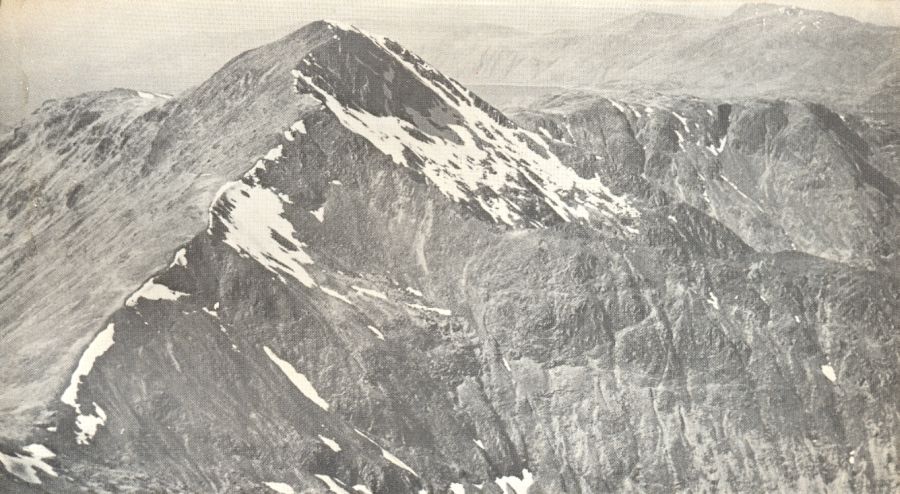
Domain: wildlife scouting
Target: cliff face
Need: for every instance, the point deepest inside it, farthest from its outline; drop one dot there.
(782, 174)
(384, 285)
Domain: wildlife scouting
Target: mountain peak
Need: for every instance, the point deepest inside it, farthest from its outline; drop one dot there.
(769, 10)
(430, 123)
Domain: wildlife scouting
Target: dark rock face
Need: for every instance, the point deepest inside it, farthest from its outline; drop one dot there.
(351, 311)
(784, 175)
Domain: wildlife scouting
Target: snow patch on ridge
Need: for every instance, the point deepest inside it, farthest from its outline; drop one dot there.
(297, 379)
(151, 290)
(254, 225)
(86, 424)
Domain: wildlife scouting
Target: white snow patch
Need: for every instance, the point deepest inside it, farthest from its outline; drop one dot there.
(673, 219)
(545, 133)
(618, 106)
(369, 293)
(479, 443)
(86, 425)
(506, 364)
(796, 318)
(387, 454)
(829, 372)
(319, 214)
(288, 135)
(637, 114)
(274, 154)
(331, 443)
(443, 312)
(151, 290)
(722, 145)
(279, 487)
(299, 127)
(680, 140)
(146, 95)
(332, 485)
(739, 191)
(713, 300)
(718, 150)
(336, 182)
(26, 467)
(211, 312)
(456, 488)
(361, 488)
(684, 123)
(516, 485)
(337, 295)
(101, 343)
(396, 461)
(377, 332)
(297, 379)
(710, 112)
(180, 258)
(252, 217)
(415, 292)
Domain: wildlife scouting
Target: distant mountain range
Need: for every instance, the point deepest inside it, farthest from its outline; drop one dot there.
(761, 50)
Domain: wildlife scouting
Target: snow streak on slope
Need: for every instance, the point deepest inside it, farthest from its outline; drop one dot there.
(332, 485)
(87, 423)
(25, 467)
(297, 379)
(507, 172)
(251, 217)
(331, 443)
(387, 455)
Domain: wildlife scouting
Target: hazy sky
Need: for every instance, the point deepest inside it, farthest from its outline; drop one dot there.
(56, 48)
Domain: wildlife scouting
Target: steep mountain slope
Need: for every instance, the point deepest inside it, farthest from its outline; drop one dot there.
(760, 50)
(384, 285)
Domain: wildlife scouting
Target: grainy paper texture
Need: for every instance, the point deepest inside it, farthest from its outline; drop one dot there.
(449, 247)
